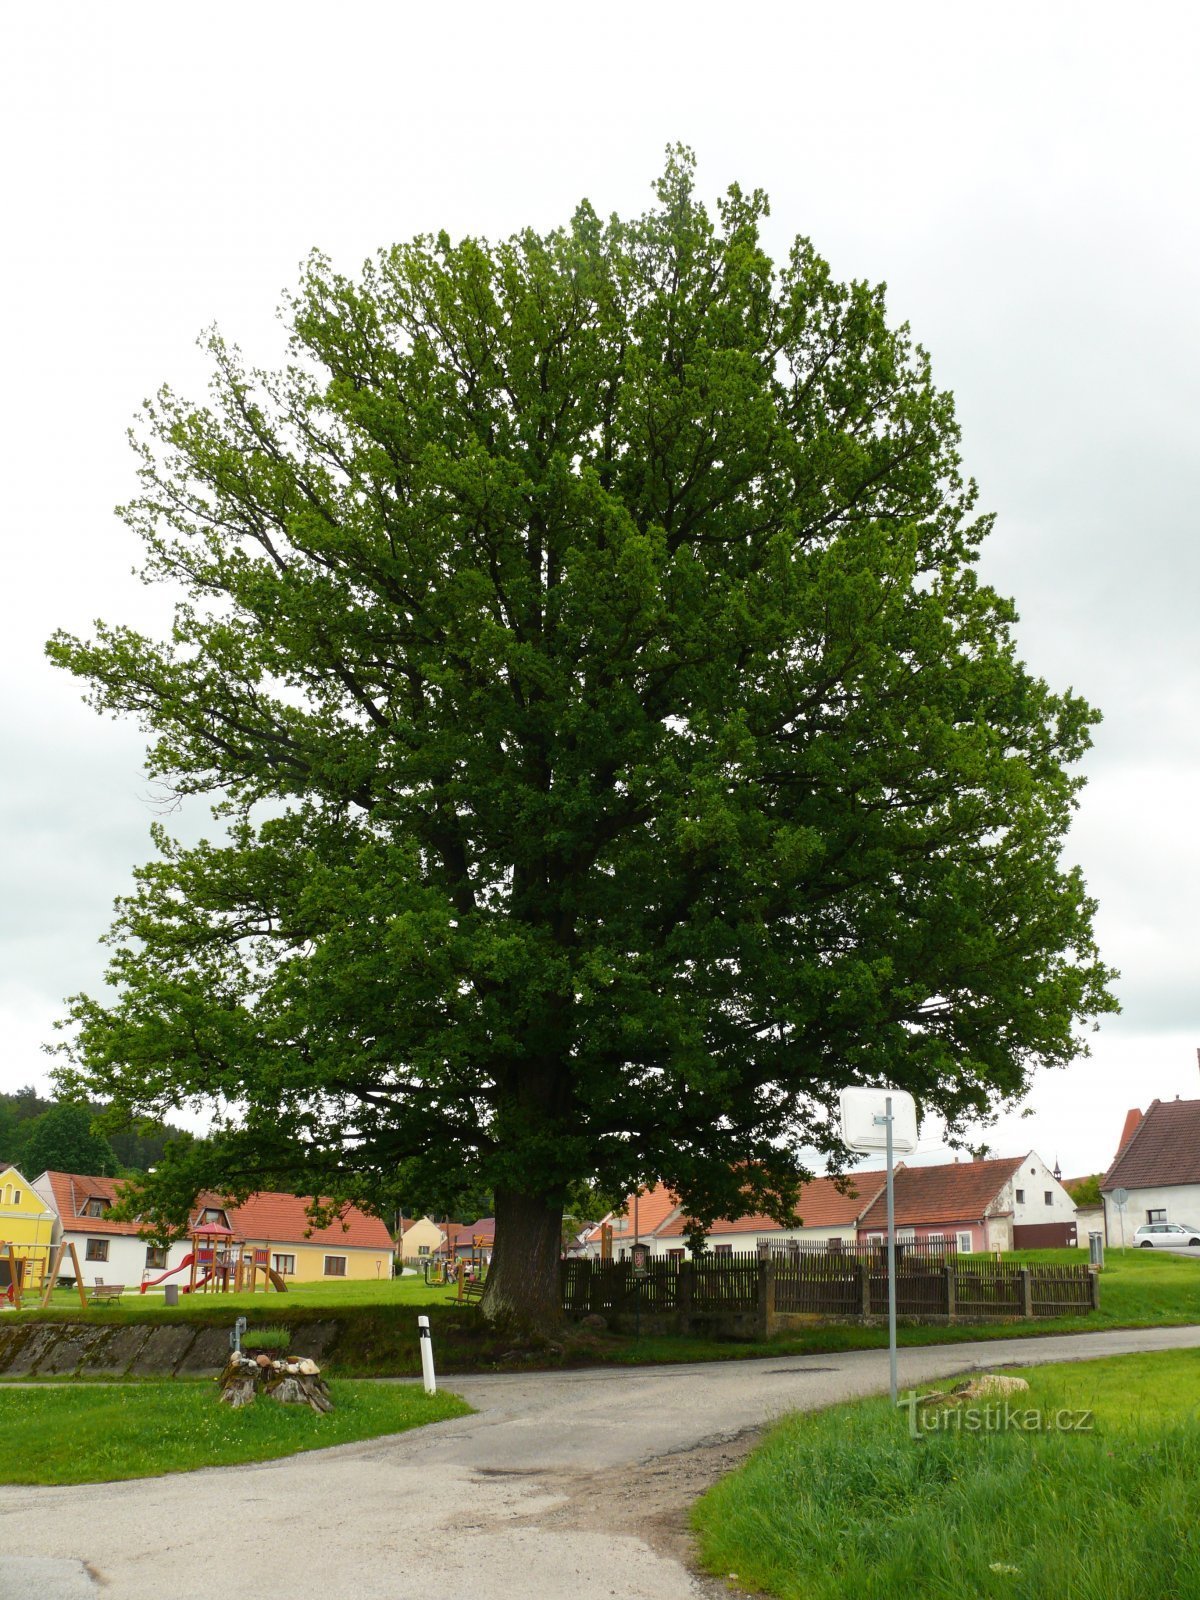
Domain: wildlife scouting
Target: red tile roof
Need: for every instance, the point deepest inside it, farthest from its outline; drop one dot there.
(279, 1218)
(72, 1191)
(1163, 1150)
(955, 1191)
(654, 1207)
(821, 1205)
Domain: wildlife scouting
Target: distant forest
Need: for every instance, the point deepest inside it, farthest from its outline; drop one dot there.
(50, 1134)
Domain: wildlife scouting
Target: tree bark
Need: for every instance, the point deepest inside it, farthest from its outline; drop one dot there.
(522, 1290)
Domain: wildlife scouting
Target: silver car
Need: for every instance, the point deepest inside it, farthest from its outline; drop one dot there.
(1166, 1235)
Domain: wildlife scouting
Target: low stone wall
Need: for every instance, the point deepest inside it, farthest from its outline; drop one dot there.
(131, 1350)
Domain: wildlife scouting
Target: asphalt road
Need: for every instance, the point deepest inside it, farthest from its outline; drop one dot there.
(563, 1486)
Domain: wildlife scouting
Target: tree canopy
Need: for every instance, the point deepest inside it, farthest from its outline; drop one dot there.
(615, 747)
(62, 1139)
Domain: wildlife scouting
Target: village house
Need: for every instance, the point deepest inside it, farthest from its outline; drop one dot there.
(27, 1225)
(826, 1208)
(1014, 1203)
(419, 1240)
(1158, 1166)
(271, 1227)
(109, 1251)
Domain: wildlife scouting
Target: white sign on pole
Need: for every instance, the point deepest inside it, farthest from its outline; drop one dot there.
(864, 1125)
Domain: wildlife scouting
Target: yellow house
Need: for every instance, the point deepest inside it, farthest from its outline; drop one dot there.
(354, 1245)
(27, 1224)
(420, 1240)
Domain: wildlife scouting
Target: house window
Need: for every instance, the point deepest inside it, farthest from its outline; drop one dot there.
(722, 1249)
(211, 1214)
(674, 1255)
(156, 1255)
(964, 1243)
(96, 1208)
(335, 1266)
(1156, 1216)
(16, 1199)
(285, 1266)
(1020, 1197)
(422, 1249)
(1049, 1197)
(97, 1250)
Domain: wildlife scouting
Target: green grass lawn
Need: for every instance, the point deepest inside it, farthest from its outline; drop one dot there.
(325, 1294)
(844, 1505)
(1139, 1288)
(89, 1434)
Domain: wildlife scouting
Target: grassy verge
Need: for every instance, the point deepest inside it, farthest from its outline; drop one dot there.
(378, 1334)
(94, 1435)
(845, 1505)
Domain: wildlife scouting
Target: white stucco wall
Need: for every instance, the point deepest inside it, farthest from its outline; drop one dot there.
(1035, 1180)
(1181, 1203)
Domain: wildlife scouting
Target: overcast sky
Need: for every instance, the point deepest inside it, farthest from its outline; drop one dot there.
(1022, 177)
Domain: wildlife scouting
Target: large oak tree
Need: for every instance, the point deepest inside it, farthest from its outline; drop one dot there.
(616, 748)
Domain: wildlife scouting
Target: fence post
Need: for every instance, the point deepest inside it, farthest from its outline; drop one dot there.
(685, 1293)
(765, 1311)
(1026, 1278)
(1094, 1276)
(951, 1291)
(864, 1286)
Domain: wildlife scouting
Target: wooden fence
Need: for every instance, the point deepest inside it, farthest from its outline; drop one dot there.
(852, 1283)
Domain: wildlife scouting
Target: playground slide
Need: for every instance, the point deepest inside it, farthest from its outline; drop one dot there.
(186, 1288)
(182, 1267)
(276, 1280)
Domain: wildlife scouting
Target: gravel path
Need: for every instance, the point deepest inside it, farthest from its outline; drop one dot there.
(563, 1486)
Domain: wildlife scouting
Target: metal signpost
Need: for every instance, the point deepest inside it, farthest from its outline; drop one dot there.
(1120, 1198)
(882, 1119)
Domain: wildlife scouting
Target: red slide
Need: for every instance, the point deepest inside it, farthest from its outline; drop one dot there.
(182, 1267)
(186, 1288)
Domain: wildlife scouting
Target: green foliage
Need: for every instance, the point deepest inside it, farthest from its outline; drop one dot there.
(63, 1140)
(844, 1503)
(98, 1435)
(136, 1147)
(617, 750)
(1086, 1191)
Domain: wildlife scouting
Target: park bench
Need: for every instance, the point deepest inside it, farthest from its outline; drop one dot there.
(471, 1289)
(105, 1291)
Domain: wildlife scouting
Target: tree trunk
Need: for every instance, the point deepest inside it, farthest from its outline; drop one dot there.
(522, 1289)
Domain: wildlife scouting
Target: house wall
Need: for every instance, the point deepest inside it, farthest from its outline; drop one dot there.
(1181, 1203)
(126, 1261)
(309, 1259)
(26, 1223)
(946, 1231)
(1089, 1220)
(420, 1238)
(1034, 1180)
(738, 1243)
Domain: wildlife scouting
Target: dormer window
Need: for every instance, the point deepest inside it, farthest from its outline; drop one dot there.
(96, 1208)
(210, 1214)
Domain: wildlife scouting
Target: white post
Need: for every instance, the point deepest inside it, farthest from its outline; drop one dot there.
(425, 1338)
(891, 1255)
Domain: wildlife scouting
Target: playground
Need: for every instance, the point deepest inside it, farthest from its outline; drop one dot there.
(218, 1262)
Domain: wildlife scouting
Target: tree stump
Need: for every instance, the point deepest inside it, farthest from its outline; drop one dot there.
(290, 1382)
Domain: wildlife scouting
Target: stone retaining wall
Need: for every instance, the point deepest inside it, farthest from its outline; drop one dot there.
(132, 1350)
